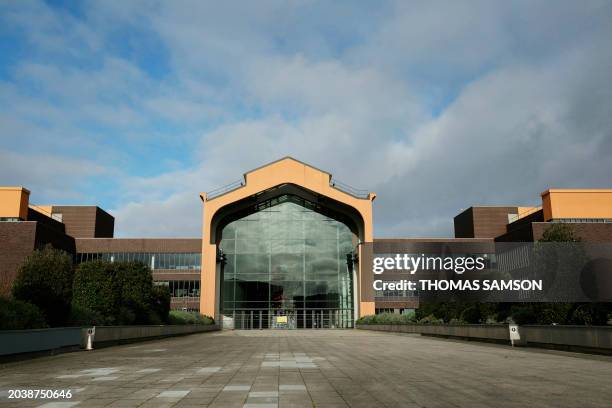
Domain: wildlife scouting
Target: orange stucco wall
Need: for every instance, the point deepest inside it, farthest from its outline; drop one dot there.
(14, 202)
(284, 171)
(577, 204)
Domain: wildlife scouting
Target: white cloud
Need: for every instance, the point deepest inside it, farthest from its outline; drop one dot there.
(179, 215)
(523, 91)
(45, 175)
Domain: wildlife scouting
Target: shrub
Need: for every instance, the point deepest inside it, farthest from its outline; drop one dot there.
(370, 319)
(559, 232)
(388, 318)
(45, 280)
(409, 316)
(18, 315)
(523, 314)
(183, 317)
(119, 293)
(431, 319)
(471, 314)
(136, 283)
(553, 313)
(96, 289)
(590, 314)
(160, 301)
(85, 317)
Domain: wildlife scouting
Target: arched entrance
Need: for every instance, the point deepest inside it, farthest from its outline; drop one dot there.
(257, 231)
(285, 266)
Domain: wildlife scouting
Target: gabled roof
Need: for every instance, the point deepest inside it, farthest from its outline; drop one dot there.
(286, 158)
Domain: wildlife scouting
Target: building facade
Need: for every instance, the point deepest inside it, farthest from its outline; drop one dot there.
(282, 247)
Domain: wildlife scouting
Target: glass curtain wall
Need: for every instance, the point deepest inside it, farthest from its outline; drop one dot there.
(157, 260)
(285, 266)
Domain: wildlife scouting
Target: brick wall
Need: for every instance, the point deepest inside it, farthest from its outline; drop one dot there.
(18, 241)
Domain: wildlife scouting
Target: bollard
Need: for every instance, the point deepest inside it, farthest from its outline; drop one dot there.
(90, 336)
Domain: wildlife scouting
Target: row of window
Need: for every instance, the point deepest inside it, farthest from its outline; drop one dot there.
(393, 310)
(571, 220)
(182, 289)
(288, 305)
(395, 293)
(156, 260)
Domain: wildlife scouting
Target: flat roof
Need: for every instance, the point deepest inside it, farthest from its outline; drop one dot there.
(577, 190)
(16, 188)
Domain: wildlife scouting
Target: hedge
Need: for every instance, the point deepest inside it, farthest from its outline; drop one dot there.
(45, 280)
(18, 315)
(183, 317)
(119, 293)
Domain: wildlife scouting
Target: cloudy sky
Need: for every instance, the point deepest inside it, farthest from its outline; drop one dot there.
(137, 106)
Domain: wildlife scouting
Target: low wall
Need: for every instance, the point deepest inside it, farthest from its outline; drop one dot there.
(37, 340)
(589, 338)
(108, 335)
(471, 331)
(596, 339)
(17, 343)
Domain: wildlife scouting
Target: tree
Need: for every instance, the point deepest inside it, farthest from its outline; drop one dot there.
(118, 293)
(559, 253)
(160, 300)
(96, 290)
(558, 232)
(45, 280)
(471, 314)
(18, 315)
(136, 283)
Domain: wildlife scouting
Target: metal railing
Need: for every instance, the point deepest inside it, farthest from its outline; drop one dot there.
(349, 189)
(225, 189)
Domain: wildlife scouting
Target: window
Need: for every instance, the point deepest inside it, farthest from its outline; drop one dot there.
(176, 261)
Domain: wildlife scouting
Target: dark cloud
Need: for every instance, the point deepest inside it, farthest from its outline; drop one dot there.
(435, 106)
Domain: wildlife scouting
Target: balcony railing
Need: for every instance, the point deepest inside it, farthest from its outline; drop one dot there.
(349, 189)
(225, 189)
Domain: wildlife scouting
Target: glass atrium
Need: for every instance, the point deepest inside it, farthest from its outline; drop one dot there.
(285, 265)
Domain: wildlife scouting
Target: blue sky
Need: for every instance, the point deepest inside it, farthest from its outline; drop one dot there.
(138, 106)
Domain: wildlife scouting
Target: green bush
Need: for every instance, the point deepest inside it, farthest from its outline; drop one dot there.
(183, 317)
(431, 319)
(96, 289)
(523, 314)
(558, 232)
(85, 317)
(136, 283)
(160, 300)
(493, 313)
(590, 314)
(45, 280)
(445, 311)
(471, 315)
(19, 315)
(366, 320)
(119, 293)
(388, 318)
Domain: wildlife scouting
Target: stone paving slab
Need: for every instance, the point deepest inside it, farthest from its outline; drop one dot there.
(313, 368)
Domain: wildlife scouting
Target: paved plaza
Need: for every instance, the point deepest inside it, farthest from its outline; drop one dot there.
(313, 368)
